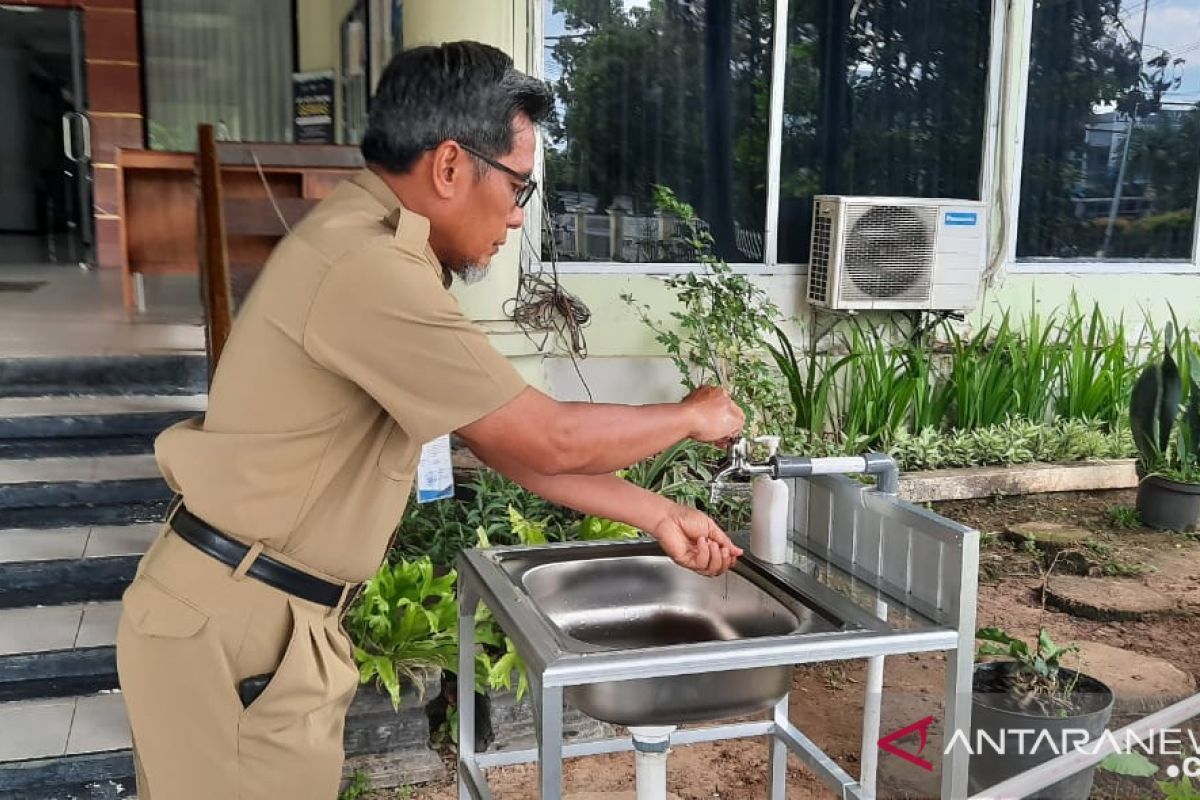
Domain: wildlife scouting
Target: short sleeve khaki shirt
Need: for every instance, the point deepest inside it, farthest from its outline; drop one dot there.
(348, 355)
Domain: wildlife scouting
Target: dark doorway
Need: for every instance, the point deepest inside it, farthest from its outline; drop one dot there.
(45, 142)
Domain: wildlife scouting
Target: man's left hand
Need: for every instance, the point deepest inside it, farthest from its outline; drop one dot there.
(694, 541)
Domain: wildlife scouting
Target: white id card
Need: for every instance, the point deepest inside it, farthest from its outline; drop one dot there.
(435, 475)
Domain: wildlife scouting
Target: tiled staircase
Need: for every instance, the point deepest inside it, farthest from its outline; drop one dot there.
(80, 499)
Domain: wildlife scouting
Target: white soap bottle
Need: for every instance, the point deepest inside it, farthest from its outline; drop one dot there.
(769, 513)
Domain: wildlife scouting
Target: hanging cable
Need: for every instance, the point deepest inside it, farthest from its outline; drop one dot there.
(542, 305)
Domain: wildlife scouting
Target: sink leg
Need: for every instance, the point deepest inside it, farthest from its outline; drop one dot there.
(468, 601)
(872, 712)
(548, 715)
(779, 754)
(959, 673)
(466, 691)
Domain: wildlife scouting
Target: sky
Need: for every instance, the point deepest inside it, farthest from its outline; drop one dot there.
(1172, 25)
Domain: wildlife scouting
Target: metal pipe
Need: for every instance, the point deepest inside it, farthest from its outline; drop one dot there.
(598, 747)
(1054, 770)
(872, 714)
(822, 765)
(880, 464)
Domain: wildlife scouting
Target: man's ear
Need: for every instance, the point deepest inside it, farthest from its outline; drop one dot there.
(450, 168)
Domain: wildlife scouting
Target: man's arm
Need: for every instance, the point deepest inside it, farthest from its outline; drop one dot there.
(549, 437)
(688, 536)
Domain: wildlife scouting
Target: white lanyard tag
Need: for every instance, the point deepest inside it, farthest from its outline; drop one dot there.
(435, 474)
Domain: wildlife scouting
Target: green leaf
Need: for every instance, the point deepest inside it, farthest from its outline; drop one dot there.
(527, 531)
(998, 636)
(1178, 790)
(1132, 764)
(1172, 395)
(593, 529)
(1144, 403)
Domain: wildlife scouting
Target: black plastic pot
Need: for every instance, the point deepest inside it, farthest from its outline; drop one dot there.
(1168, 505)
(995, 715)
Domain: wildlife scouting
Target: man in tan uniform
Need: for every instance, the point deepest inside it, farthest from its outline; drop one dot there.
(349, 355)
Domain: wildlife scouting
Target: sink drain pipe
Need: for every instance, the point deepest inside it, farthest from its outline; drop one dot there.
(651, 744)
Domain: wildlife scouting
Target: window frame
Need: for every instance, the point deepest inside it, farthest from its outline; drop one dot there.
(1018, 52)
(770, 265)
(1001, 164)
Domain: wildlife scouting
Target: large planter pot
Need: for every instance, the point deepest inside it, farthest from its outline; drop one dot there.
(1168, 505)
(391, 746)
(995, 717)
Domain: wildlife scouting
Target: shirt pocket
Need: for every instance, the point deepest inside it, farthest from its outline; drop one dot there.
(398, 456)
(153, 610)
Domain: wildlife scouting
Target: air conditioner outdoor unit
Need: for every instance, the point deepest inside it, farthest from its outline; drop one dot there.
(896, 253)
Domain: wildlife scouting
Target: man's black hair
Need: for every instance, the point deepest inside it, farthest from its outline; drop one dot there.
(465, 91)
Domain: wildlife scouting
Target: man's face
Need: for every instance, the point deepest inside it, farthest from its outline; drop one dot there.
(487, 210)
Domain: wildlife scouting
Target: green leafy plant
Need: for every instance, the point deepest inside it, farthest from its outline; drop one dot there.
(1120, 516)
(1096, 370)
(593, 529)
(1179, 789)
(983, 375)
(880, 392)
(719, 331)
(404, 623)
(358, 787)
(811, 386)
(443, 529)
(1037, 678)
(1013, 442)
(1164, 411)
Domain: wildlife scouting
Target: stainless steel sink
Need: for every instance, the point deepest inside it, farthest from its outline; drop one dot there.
(632, 598)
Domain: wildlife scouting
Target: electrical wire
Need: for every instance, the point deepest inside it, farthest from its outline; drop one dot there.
(542, 305)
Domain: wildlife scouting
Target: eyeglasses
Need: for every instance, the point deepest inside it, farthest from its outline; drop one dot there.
(528, 185)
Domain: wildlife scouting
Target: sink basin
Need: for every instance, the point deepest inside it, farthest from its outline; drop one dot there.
(638, 598)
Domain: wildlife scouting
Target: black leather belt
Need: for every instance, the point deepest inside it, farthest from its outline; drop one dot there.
(208, 539)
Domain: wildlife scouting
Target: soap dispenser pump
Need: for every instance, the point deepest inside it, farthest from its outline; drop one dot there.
(769, 512)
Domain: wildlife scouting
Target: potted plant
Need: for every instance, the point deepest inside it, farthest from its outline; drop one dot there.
(1024, 704)
(1164, 415)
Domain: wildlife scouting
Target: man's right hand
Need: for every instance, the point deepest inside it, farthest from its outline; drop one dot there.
(715, 417)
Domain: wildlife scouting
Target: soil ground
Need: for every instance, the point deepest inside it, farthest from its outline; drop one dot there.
(827, 699)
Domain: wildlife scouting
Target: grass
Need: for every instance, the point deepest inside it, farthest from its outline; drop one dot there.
(1126, 517)
(1125, 569)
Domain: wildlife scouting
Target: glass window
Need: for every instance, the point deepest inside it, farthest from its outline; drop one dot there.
(882, 98)
(225, 62)
(1112, 132)
(667, 92)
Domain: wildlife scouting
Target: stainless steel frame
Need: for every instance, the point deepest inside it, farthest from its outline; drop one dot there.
(858, 553)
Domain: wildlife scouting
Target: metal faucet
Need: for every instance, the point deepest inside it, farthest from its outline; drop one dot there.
(739, 466)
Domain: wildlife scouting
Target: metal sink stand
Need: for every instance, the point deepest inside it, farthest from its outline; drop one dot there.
(918, 566)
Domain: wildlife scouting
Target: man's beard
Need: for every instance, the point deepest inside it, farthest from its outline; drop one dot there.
(471, 273)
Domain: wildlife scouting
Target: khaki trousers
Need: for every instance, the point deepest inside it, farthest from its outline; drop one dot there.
(191, 628)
